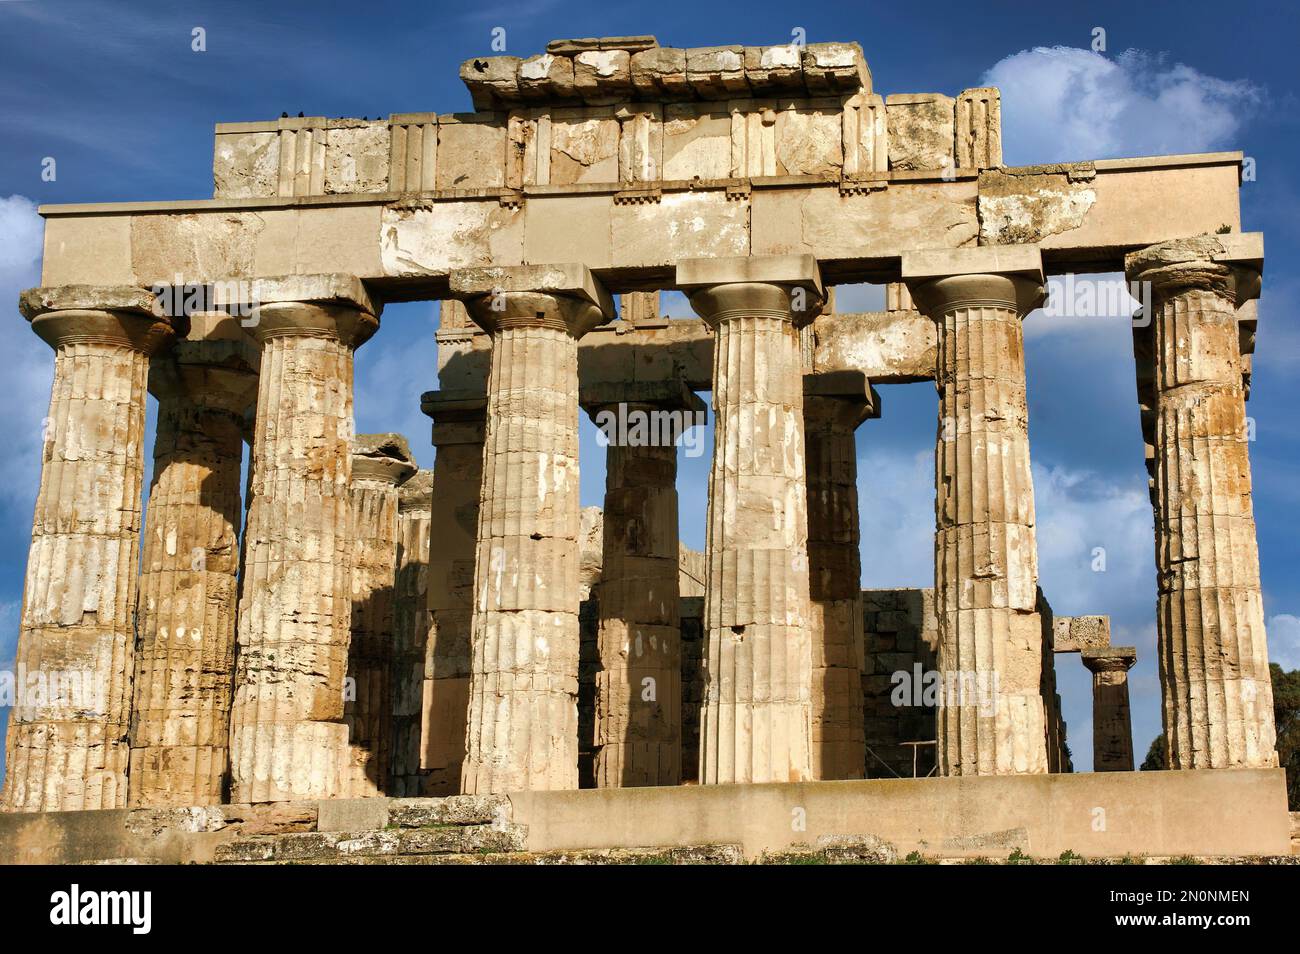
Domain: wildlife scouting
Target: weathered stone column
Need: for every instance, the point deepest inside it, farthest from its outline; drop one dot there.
(380, 463)
(756, 720)
(522, 731)
(1218, 698)
(834, 406)
(638, 733)
(287, 735)
(458, 426)
(410, 633)
(1112, 726)
(185, 651)
(67, 745)
(991, 719)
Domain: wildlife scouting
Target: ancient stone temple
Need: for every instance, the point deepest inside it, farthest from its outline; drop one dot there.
(342, 625)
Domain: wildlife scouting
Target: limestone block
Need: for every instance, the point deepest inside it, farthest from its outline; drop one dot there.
(979, 128)
(603, 76)
(584, 146)
(660, 74)
(835, 68)
(774, 69)
(356, 157)
(246, 165)
(808, 142)
(493, 81)
(434, 240)
(632, 44)
(921, 131)
(547, 78)
(471, 153)
(1026, 205)
(865, 135)
(302, 156)
(703, 222)
(413, 152)
(1073, 634)
(697, 142)
(641, 144)
(717, 72)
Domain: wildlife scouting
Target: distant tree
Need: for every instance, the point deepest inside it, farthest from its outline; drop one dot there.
(1286, 715)
(1157, 755)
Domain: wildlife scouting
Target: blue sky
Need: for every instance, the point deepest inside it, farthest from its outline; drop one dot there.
(114, 93)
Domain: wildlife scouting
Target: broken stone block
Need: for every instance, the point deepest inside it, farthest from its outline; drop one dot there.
(717, 72)
(835, 68)
(356, 157)
(920, 131)
(246, 165)
(547, 78)
(774, 69)
(631, 44)
(660, 74)
(493, 81)
(603, 76)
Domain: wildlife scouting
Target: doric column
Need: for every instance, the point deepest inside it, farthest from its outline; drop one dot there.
(185, 649)
(638, 732)
(380, 463)
(287, 735)
(1213, 655)
(67, 746)
(458, 425)
(1112, 727)
(410, 632)
(991, 719)
(755, 723)
(834, 406)
(522, 731)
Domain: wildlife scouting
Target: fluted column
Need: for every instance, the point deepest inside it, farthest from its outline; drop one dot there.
(832, 413)
(1213, 653)
(522, 731)
(287, 736)
(458, 428)
(1112, 725)
(410, 633)
(185, 652)
(638, 733)
(67, 747)
(991, 719)
(755, 723)
(380, 464)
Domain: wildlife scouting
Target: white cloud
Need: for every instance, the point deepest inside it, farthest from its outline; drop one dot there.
(1284, 640)
(1061, 104)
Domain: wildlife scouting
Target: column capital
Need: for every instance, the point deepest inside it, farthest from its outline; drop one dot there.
(415, 494)
(120, 315)
(670, 394)
(565, 297)
(1110, 659)
(217, 373)
(1005, 276)
(838, 400)
(779, 286)
(1229, 265)
(459, 415)
(385, 458)
(332, 305)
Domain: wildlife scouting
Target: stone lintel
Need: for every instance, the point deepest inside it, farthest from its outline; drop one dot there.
(571, 280)
(123, 298)
(333, 288)
(1073, 634)
(632, 44)
(1024, 260)
(1110, 659)
(798, 271)
(385, 456)
(669, 394)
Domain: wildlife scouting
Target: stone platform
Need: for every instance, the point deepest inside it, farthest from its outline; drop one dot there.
(1223, 814)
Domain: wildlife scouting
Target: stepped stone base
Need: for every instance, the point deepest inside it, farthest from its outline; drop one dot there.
(1226, 815)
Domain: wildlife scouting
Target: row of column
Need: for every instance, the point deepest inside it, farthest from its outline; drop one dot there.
(504, 633)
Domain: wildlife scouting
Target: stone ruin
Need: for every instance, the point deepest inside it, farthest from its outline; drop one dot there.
(346, 625)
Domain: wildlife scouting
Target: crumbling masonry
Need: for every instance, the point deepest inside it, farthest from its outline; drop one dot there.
(385, 631)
